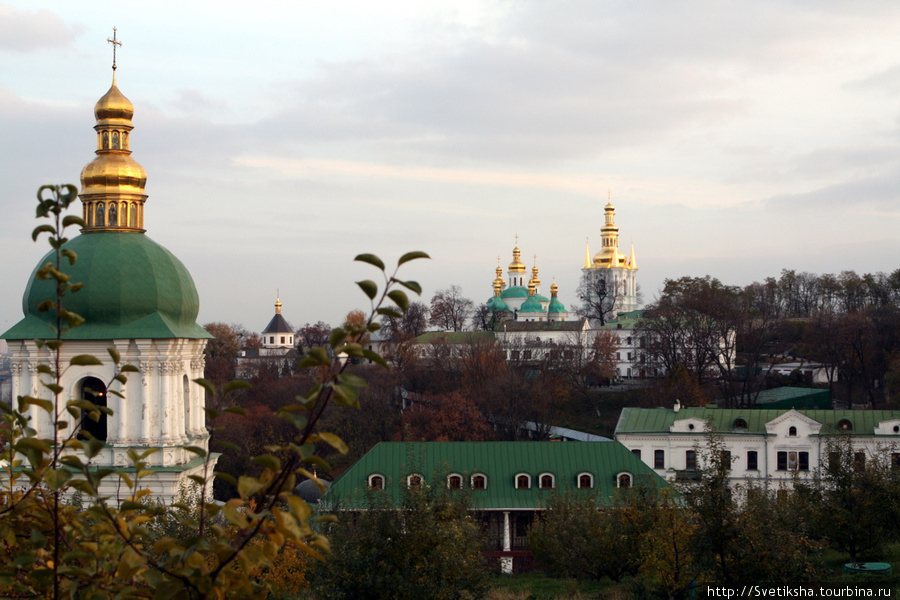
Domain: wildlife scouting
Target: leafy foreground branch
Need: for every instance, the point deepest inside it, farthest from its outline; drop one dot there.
(61, 538)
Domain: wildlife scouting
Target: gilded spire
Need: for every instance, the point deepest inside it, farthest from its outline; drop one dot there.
(277, 305)
(587, 254)
(517, 266)
(632, 261)
(498, 280)
(534, 276)
(112, 185)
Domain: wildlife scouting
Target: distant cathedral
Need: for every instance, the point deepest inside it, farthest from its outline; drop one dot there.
(137, 298)
(610, 270)
(518, 297)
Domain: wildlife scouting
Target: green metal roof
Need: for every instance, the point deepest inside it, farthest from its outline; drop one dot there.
(659, 420)
(496, 304)
(500, 462)
(514, 292)
(532, 305)
(556, 306)
(133, 288)
(794, 397)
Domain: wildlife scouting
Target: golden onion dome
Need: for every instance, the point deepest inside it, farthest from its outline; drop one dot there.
(554, 290)
(517, 266)
(113, 105)
(498, 282)
(112, 184)
(534, 277)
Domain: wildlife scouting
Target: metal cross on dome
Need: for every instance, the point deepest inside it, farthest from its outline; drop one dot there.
(115, 43)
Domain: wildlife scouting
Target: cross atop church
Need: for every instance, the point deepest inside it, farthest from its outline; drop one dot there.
(114, 43)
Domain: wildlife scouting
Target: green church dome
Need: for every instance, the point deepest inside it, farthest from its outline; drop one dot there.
(133, 288)
(531, 305)
(514, 292)
(495, 304)
(556, 306)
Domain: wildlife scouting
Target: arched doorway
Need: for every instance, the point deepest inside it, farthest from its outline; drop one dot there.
(94, 390)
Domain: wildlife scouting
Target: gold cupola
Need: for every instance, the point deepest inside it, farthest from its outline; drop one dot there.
(517, 266)
(609, 255)
(112, 185)
(498, 283)
(535, 280)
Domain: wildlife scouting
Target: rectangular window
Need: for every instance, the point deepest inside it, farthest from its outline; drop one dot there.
(514, 354)
(282, 339)
(793, 461)
(804, 461)
(726, 458)
(752, 461)
(895, 460)
(659, 459)
(859, 461)
(526, 354)
(782, 463)
(637, 452)
(690, 460)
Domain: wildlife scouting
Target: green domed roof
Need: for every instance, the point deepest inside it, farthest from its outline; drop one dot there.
(540, 298)
(514, 292)
(531, 305)
(556, 306)
(495, 304)
(133, 288)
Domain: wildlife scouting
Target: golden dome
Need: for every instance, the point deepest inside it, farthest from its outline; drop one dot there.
(554, 290)
(534, 277)
(113, 105)
(517, 266)
(498, 283)
(112, 185)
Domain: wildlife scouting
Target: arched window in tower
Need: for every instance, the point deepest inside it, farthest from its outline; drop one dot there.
(93, 390)
(186, 392)
(113, 215)
(132, 216)
(100, 221)
(115, 140)
(105, 140)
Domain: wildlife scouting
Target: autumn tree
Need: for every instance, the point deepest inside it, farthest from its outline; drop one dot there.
(313, 335)
(411, 325)
(851, 502)
(112, 547)
(450, 310)
(450, 417)
(428, 546)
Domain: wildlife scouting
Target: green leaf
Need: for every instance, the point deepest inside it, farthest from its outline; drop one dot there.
(114, 354)
(351, 350)
(412, 286)
(85, 360)
(268, 461)
(411, 256)
(371, 259)
(47, 405)
(70, 220)
(237, 384)
(389, 312)
(196, 450)
(346, 395)
(337, 337)
(400, 299)
(46, 229)
(376, 358)
(129, 369)
(206, 385)
(70, 255)
(334, 441)
(369, 288)
(237, 410)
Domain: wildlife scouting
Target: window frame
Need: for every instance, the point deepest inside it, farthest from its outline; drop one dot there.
(552, 477)
(620, 476)
(409, 480)
(372, 477)
(455, 477)
(526, 476)
(659, 458)
(472, 481)
(590, 477)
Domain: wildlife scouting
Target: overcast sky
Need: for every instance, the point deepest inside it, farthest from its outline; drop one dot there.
(736, 139)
